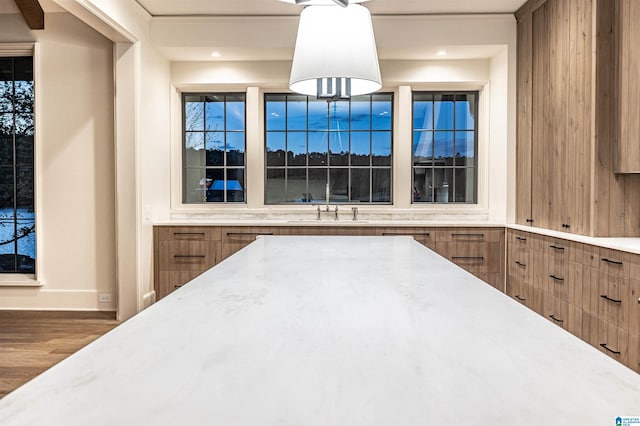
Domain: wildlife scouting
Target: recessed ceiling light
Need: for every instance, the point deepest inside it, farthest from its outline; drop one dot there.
(215, 54)
(442, 53)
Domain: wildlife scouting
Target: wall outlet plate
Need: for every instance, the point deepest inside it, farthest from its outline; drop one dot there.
(104, 297)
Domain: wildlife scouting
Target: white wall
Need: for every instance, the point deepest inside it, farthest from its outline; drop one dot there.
(75, 177)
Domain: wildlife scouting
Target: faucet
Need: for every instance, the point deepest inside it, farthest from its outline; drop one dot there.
(318, 213)
(354, 210)
(336, 211)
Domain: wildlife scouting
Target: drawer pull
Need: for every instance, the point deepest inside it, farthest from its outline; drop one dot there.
(608, 299)
(409, 234)
(188, 256)
(553, 317)
(521, 239)
(556, 278)
(604, 345)
(520, 298)
(467, 257)
(520, 264)
(529, 221)
(556, 247)
(178, 286)
(230, 234)
(188, 233)
(468, 235)
(614, 262)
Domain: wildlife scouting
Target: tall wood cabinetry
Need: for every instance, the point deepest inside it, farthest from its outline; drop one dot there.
(628, 52)
(567, 128)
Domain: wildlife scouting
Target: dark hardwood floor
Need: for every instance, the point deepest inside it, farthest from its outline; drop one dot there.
(33, 341)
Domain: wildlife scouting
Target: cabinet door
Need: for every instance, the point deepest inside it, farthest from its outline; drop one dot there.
(169, 281)
(633, 359)
(628, 156)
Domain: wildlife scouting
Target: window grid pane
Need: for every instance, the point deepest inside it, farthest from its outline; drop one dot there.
(17, 216)
(445, 146)
(214, 145)
(312, 143)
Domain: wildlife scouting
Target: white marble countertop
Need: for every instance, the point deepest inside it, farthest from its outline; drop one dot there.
(330, 331)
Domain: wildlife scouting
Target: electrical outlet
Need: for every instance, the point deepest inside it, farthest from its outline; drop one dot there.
(104, 297)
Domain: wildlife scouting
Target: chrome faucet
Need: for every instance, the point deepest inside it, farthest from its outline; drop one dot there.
(318, 213)
(354, 210)
(336, 211)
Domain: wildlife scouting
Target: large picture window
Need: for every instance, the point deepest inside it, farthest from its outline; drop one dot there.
(445, 146)
(214, 148)
(314, 145)
(17, 217)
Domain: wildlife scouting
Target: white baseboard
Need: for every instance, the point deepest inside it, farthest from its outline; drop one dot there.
(51, 299)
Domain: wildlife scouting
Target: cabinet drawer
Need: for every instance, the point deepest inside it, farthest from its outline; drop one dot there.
(169, 281)
(520, 268)
(634, 306)
(189, 233)
(469, 235)
(235, 238)
(187, 255)
(606, 337)
(472, 256)
(613, 261)
(613, 298)
(563, 314)
(556, 248)
(422, 235)
(633, 359)
(526, 295)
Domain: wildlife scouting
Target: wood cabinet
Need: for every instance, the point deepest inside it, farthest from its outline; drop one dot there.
(477, 250)
(577, 96)
(592, 292)
(184, 252)
(628, 103)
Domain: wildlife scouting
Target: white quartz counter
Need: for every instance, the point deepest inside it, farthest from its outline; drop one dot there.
(330, 331)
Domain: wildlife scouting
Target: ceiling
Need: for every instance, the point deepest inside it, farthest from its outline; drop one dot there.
(273, 7)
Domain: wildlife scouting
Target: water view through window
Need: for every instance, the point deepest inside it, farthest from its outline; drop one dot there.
(312, 143)
(445, 144)
(214, 148)
(17, 217)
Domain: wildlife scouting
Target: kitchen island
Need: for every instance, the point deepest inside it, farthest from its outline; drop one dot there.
(332, 331)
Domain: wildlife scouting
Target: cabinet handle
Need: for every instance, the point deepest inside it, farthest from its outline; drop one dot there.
(607, 298)
(553, 317)
(520, 264)
(468, 235)
(604, 345)
(188, 233)
(178, 286)
(556, 278)
(529, 220)
(520, 298)
(229, 234)
(566, 225)
(521, 239)
(467, 257)
(557, 247)
(426, 234)
(614, 262)
(188, 256)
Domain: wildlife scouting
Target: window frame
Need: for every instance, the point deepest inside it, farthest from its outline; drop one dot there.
(476, 163)
(349, 167)
(14, 52)
(225, 167)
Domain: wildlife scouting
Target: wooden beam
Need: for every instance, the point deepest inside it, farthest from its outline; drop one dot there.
(32, 13)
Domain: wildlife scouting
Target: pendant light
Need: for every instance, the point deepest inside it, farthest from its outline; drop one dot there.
(335, 55)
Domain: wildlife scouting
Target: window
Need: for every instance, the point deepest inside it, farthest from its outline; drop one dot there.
(17, 217)
(445, 146)
(214, 148)
(314, 147)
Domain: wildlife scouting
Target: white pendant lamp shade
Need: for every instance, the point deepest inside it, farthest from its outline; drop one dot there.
(336, 46)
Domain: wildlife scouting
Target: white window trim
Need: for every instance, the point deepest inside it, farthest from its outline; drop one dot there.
(401, 209)
(30, 49)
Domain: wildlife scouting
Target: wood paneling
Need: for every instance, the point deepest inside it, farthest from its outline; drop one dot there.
(580, 101)
(524, 102)
(32, 13)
